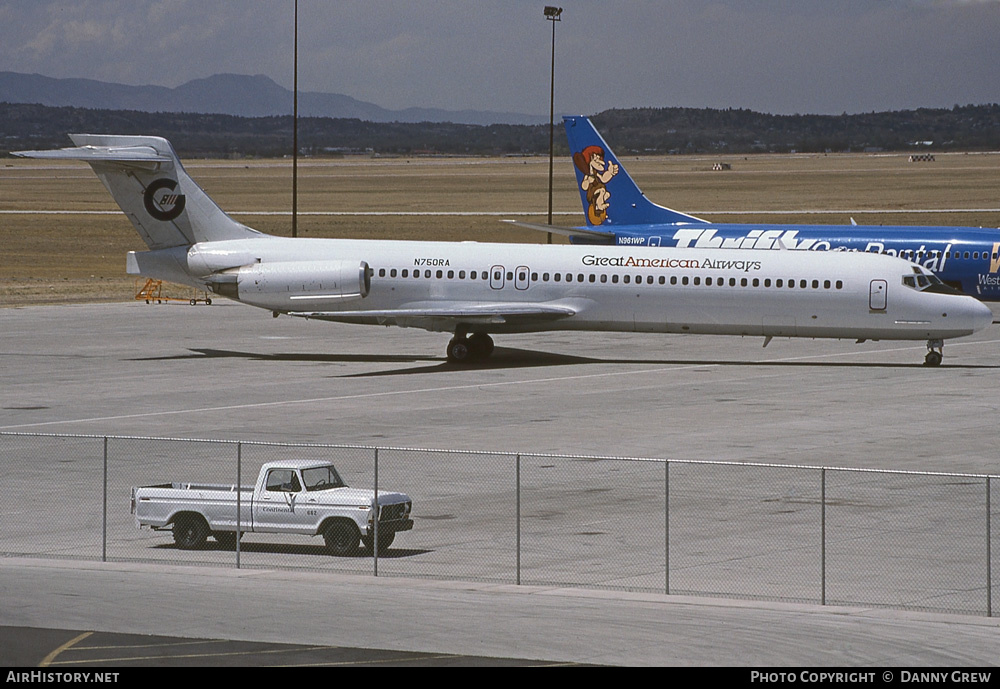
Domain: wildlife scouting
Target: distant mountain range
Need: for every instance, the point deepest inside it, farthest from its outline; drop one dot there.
(228, 94)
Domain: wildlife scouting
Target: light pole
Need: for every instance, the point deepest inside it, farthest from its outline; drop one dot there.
(553, 14)
(295, 127)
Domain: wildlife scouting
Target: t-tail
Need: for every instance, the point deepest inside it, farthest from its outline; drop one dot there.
(610, 197)
(146, 178)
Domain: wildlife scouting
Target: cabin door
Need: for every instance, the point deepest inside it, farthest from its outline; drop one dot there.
(877, 295)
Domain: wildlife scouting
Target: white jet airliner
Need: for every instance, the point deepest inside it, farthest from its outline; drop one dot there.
(474, 290)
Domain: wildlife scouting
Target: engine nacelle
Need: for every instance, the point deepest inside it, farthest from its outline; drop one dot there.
(296, 285)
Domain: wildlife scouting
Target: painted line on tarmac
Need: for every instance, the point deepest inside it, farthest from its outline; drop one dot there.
(453, 388)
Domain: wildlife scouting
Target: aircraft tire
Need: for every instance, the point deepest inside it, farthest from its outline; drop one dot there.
(481, 345)
(932, 359)
(459, 350)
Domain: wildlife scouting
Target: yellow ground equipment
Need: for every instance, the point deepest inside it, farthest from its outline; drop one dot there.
(152, 292)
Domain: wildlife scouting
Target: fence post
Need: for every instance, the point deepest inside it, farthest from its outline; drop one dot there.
(239, 504)
(989, 554)
(666, 527)
(822, 537)
(104, 507)
(517, 519)
(375, 519)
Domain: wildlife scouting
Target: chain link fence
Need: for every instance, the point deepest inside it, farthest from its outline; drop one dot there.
(910, 540)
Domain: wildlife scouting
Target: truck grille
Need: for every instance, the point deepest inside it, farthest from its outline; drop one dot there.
(393, 512)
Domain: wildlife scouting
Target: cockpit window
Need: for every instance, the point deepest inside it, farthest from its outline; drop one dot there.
(927, 281)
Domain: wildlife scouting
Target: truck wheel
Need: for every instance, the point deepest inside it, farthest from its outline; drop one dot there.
(384, 541)
(342, 538)
(190, 531)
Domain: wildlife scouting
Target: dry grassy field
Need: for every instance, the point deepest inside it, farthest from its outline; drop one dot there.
(73, 248)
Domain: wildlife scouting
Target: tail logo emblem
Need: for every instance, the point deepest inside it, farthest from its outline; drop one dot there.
(160, 200)
(596, 174)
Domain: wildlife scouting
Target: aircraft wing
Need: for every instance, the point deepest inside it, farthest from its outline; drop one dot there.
(568, 231)
(472, 313)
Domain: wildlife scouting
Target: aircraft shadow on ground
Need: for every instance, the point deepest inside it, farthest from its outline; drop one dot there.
(296, 549)
(511, 358)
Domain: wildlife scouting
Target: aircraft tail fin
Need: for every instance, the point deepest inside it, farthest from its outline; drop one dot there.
(146, 179)
(610, 196)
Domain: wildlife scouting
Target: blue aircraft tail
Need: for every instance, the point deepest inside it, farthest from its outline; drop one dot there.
(610, 197)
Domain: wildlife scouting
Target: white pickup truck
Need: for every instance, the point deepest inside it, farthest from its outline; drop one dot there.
(293, 496)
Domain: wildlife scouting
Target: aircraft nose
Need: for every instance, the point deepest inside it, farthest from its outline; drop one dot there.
(982, 316)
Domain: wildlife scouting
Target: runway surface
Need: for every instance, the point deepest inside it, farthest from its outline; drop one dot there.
(232, 372)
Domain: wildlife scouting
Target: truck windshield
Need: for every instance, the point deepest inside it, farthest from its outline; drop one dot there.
(322, 478)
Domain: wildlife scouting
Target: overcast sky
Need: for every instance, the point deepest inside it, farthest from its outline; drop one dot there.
(775, 56)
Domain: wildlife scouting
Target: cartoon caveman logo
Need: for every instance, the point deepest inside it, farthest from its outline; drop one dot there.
(596, 174)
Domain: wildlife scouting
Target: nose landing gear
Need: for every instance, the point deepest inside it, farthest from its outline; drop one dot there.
(935, 349)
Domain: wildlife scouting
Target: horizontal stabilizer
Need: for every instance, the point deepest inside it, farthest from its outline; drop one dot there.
(568, 231)
(126, 155)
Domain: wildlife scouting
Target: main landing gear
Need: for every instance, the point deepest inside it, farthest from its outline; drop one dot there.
(935, 350)
(475, 347)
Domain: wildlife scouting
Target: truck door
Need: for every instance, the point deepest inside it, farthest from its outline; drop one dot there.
(877, 295)
(280, 503)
